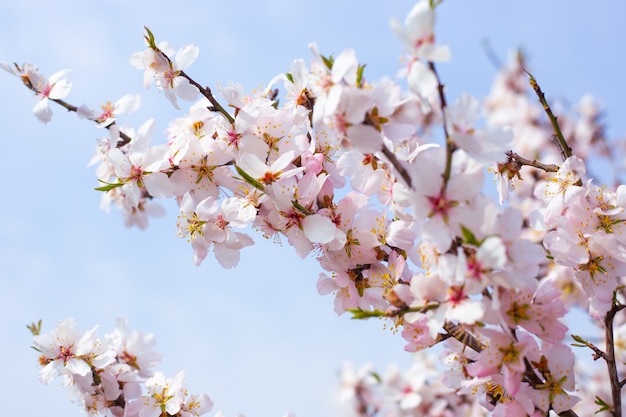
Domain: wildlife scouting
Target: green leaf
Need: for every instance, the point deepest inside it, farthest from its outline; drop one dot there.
(247, 178)
(359, 75)
(301, 208)
(328, 61)
(150, 39)
(376, 377)
(468, 236)
(603, 405)
(108, 187)
(358, 314)
(35, 329)
(289, 76)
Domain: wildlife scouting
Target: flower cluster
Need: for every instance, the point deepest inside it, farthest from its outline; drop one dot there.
(106, 375)
(415, 239)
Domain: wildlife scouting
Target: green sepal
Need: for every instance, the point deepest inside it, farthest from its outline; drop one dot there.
(247, 178)
(289, 76)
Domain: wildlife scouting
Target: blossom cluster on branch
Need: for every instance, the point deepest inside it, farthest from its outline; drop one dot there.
(415, 239)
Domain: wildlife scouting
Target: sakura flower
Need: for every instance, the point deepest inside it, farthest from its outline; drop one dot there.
(164, 395)
(54, 88)
(68, 350)
(196, 405)
(109, 111)
(135, 348)
(557, 369)
(507, 354)
(484, 145)
(561, 188)
(538, 313)
(207, 225)
(418, 33)
(165, 67)
(141, 167)
(264, 174)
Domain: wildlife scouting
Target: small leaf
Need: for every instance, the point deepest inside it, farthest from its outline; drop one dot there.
(468, 236)
(328, 61)
(301, 208)
(108, 187)
(247, 178)
(289, 76)
(376, 377)
(150, 39)
(35, 329)
(603, 405)
(359, 314)
(359, 75)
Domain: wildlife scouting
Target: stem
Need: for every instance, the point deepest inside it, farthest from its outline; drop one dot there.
(125, 138)
(69, 107)
(450, 145)
(397, 165)
(609, 357)
(533, 163)
(206, 92)
(566, 151)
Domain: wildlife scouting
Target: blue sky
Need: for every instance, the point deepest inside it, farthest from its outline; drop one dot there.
(257, 339)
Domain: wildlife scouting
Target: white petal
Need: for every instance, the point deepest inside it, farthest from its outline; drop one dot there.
(127, 104)
(60, 89)
(318, 228)
(186, 56)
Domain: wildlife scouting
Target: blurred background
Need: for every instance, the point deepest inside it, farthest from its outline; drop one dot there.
(257, 339)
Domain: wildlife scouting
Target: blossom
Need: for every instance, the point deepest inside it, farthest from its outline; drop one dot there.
(140, 167)
(164, 395)
(166, 66)
(560, 189)
(109, 111)
(557, 368)
(54, 88)
(69, 350)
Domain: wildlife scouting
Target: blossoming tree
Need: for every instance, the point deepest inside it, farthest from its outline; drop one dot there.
(385, 187)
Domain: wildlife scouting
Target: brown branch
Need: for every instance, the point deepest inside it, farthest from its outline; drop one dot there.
(533, 163)
(609, 357)
(71, 108)
(450, 145)
(566, 151)
(206, 92)
(396, 164)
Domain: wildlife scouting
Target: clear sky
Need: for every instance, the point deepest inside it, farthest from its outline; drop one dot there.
(257, 339)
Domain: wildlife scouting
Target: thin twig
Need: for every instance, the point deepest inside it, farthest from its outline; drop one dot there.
(566, 151)
(71, 108)
(450, 145)
(533, 163)
(206, 92)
